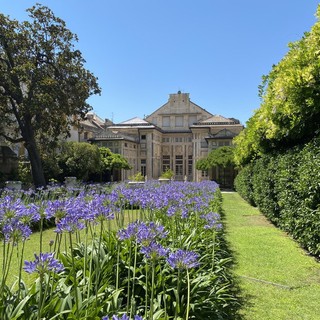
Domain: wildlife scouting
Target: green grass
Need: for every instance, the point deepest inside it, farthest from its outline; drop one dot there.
(32, 246)
(278, 280)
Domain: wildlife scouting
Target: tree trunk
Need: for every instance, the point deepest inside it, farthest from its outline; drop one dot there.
(34, 155)
(36, 164)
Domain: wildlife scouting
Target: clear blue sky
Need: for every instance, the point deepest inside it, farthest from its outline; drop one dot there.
(143, 50)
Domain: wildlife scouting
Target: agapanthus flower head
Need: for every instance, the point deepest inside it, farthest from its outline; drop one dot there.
(14, 231)
(212, 220)
(183, 259)
(43, 263)
(55, 209)
(69, 224)
(100, 207)
(149, 232)
(130, 232)
(154, 250)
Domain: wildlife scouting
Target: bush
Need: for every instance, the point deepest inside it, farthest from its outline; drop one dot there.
(243, 183)
(168, 174)
(137, 177)
(286, 188)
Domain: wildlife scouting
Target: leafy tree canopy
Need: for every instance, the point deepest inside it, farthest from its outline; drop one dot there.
(290, 102)
(43, 82)
(110, 160)
(79, 159)
(223, 157)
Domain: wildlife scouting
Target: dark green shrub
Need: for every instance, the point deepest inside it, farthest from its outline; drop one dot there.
(286, 188)
(243, 183)
(263, 187)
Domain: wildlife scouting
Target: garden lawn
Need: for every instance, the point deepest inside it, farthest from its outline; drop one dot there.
(277, 279)
(33, 247)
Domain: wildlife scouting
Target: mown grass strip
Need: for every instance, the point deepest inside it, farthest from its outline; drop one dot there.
(278, 280)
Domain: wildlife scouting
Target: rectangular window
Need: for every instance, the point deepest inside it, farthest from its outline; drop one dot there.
(192, 120)
(190, 162)
(143, 145)
(143, 167)
(179, 121)
(165, 162)
(166, 121)
(143, 137)
(179, 166)
(178, 139)
(204, 173)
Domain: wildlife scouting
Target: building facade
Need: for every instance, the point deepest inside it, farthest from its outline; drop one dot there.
(174, 137)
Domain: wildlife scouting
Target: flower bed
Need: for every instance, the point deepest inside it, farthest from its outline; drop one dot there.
(153, 252)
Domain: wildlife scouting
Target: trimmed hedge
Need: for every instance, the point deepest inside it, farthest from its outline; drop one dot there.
(286, 188)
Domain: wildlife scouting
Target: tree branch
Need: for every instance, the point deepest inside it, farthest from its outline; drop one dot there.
(10, 139)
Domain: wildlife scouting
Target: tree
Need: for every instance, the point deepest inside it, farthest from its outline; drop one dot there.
(79, 159)
(290, 102)
(223, 157)
(111, 161)
(43, 83)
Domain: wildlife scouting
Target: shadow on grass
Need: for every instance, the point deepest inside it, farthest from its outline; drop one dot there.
(239, 299)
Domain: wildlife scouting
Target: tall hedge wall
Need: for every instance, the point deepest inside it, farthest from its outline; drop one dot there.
(286, 188)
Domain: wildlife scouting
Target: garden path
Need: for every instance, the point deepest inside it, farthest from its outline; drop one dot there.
(278, 280)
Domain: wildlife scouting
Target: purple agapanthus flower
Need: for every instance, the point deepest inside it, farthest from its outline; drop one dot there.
(183, 259)
(144, 233)
(15, 231)
(212, 221)
(148, 233)
(130, 232)
(43, 263)
(154, 250)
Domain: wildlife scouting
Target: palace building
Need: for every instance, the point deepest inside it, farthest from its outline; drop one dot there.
(174, 136)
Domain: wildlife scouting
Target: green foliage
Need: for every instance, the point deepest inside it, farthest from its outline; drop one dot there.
(168, 174)
(111, 161)
(83, 161)
(107, 272)
(50, 165)
(243, 183)
(202, 164)
(44, 85)
(137, 177)
(290, 102)
(286, 188)
(24, 173)
(264, 193)
(280, 145)
(222, 157)
(79, 159)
